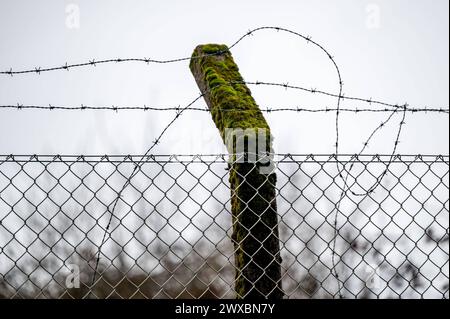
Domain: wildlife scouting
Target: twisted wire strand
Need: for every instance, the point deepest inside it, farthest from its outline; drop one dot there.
(266, 109)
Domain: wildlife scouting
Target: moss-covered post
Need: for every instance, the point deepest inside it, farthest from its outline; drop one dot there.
(253, 203)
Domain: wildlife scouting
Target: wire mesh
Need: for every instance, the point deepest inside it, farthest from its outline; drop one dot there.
(170, 234)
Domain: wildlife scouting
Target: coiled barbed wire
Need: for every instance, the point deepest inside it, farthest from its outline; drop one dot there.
(388, 107)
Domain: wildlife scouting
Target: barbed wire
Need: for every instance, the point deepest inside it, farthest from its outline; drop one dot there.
(67, 67)
(346, 188)
(370, 100)
(223, 157)
(340, 96)
(266, 109)
(92, 62)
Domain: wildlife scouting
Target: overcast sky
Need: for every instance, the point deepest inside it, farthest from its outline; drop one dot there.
(395, 51)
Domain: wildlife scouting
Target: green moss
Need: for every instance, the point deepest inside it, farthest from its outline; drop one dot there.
(253, 204)
(213, 48)
(221, 74)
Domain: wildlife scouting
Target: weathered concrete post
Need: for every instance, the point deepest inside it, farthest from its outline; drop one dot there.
(253, 203)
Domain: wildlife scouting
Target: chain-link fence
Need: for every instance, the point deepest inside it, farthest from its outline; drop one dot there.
(170, 233)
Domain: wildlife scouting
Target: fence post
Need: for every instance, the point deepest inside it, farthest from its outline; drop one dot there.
(253, 198)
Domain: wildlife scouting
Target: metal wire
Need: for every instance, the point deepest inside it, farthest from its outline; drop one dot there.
(170, 234)
(265, 109)
(342, 174)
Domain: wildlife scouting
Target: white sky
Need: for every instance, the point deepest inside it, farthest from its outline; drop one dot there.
(403, 59)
